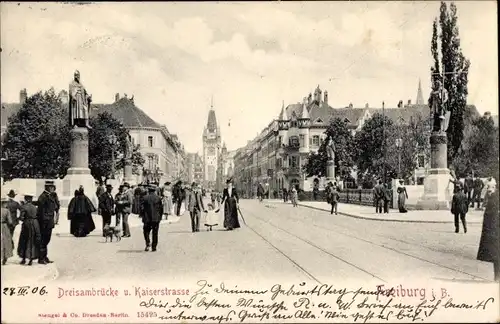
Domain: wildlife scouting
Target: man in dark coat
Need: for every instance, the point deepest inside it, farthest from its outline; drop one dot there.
(386, 197)
(489, 245)
(13, 207)
(195, 205)
(459, 208)
(152, 210)
(107, 206)
(47, 208)
(478, 188)
(178, 196)
(378, 196)
(100, 190)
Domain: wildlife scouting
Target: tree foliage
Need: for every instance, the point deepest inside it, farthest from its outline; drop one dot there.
(36, 142)
(101, 149)
(480, 151)
(370, 146)
(453, 60)
(344, 151)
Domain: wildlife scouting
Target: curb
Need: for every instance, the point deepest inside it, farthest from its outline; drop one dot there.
(386, 219)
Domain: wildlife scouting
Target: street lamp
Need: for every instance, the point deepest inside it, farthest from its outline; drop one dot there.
(112, 140)
(399, 144)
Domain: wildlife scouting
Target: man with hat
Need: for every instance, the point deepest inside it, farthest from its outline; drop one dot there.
(107, 206)
(459, 207)
(152, 211)
(47, 208)
(14, 207)
(195, 206)
(123, 204)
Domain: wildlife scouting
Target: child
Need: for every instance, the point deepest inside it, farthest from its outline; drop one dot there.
(212, 217)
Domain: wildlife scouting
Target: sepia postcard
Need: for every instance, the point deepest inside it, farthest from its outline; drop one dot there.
(247, 162)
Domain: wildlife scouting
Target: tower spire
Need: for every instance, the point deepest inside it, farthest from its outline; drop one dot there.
(420, 96)
(212, 102)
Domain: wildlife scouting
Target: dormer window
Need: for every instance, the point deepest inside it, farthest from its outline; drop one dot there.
(319, 121)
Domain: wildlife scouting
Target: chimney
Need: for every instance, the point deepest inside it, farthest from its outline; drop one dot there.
(400, 104)
(409, 102)
(117, 97)
(367, 106)
(125, 95)
(23, 95)
(309, 99)
(350, 105)
(487, 114)
(326, 97)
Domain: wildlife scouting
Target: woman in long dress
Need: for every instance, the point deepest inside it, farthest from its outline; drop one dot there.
(167, 199)
(230, 200)
(80, 211)
(402, 196)
(293, 196)
(30, 237)
(7, 223)
(489, 249)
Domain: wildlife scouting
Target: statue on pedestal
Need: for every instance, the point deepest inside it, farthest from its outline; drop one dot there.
(441, 116)
(79, 103)
(129, 149)
(330, 150)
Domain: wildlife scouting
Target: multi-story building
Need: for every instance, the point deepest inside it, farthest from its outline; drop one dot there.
(276, 156)
(194, 168)
(211, 150)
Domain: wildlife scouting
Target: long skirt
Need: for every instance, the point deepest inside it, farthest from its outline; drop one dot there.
(82, 225)
(136, 205)
(231, 214)
(402, 202)
(29, 240)
(7, 246)
(167, 205)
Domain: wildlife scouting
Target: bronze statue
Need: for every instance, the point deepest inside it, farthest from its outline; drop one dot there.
(440, 115)
(330, 150)
(79, 103)
(130, 147)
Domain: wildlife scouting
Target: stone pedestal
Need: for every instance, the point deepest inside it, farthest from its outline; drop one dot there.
(437, 183)
(79, 173)
(330, 171)
(128, 175)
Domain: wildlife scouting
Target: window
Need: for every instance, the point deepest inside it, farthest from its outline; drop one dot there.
(293, 141)
(293, 123)
(150, 141)
(211, 151)
(315, 140)
(293, 161)
(302, 140)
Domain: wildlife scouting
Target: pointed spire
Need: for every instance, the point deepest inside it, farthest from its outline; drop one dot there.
(283, 115)
(212, 103)
(420, 96)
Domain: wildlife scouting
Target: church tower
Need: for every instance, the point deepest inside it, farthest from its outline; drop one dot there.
(420, 96)
(211, 150)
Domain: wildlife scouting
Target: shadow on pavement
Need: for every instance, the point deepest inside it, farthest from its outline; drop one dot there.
(131, 251)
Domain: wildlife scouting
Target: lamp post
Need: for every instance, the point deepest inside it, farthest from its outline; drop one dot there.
(383, 138)
(399, 144)
(112, 140)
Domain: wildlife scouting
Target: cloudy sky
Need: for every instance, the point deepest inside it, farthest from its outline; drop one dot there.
(250, 56)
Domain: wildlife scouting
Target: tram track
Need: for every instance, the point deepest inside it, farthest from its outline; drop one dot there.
(319, 248)
(370, 242)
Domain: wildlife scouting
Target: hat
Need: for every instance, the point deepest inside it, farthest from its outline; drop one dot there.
(11, 193)
(126, 184)
(151, 188)
(29, 194)
(49, 183)
(229, 180)
(109, 186)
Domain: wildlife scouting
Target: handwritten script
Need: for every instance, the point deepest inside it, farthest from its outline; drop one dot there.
(221, 303)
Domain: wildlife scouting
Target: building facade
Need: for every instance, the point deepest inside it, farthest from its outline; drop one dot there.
(212, 140)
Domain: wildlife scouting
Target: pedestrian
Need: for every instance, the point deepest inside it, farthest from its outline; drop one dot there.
(378, 197)
(167, 199)
(47, 207)
(402, 196)
(489, 249)
(386, 198)
(30, 237)
(7, 223)
(468, 186)
(476, 196)
(260, 192)
(491, 185)
(293, 196)
(107, 206)
(195, 205)
(334, 199)
(121, 200)
(211, 217)
(80, 211)
(137, 199)
(99, 191)
(179, 196)
(14, 208)
(285, 195)
(459, 208)
(152, 211)
(230, 200)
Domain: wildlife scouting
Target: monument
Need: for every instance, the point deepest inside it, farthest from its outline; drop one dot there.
(330, 162)
(128, 175)
(436, 185)
(79, 173)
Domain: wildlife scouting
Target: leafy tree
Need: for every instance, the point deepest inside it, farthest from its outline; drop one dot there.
(36, 142)
(344, 151)
(370, 147)
(100, 149)
(456, 68)
(414, 137)
(479, 152)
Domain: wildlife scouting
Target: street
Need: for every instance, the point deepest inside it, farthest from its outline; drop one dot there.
(280, 242)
